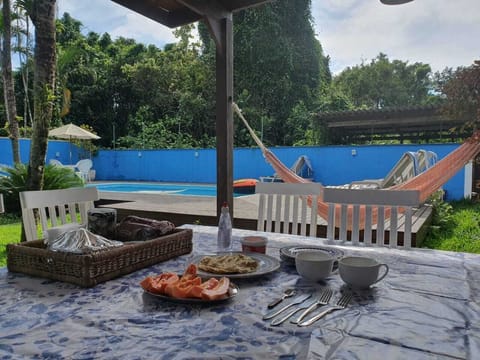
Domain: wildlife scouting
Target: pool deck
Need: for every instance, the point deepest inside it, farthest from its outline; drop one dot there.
(181, 209)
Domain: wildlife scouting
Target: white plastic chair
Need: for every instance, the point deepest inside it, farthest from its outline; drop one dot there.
(84, 167)
(400, 203)
(55, 162)
(52, 207)
(283, 207)
(59, 164)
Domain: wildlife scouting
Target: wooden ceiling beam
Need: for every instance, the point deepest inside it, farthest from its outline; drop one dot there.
(174, 13)
(212, 11)
(237, 5)
(211, 8)
(170, 18)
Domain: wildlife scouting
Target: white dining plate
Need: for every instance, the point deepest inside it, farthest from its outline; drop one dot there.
(266, 265)
(288, 253)
(232, 292)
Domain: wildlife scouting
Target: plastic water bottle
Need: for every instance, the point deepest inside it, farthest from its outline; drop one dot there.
(224, 238)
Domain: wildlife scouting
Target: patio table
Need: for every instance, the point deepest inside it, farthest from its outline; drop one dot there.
(426, 308)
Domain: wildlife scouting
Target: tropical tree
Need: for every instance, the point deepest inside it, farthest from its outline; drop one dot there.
(383, 83)
(55, 177)
(24, 50)
(179, 112)
(8, 84)
(462, 92)
(42, 14)
(278, 65)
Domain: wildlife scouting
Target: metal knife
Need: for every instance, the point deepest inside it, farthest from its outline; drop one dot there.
(295, 301)
(305, 312)
(282, 317)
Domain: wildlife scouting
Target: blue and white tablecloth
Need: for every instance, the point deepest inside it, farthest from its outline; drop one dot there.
(426, 308)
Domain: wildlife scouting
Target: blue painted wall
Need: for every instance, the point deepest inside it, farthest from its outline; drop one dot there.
(57, 149)
(332, 165)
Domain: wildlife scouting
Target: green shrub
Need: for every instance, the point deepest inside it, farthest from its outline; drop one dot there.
(442, 216)
(7, 219)
(55, 177)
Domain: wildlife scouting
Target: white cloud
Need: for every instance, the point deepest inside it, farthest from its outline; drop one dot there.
(439, 33)
(140, 27)
(107, 16)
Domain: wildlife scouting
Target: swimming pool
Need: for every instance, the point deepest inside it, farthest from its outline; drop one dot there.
(164, 189)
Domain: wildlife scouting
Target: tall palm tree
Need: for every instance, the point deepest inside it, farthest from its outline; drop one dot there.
(8, 84)
(24, 50)
(43, 18)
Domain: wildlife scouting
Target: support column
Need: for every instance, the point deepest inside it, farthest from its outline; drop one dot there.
(224, 113)
(468, 180)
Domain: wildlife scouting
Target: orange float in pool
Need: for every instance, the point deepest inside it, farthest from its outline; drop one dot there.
(244, 186)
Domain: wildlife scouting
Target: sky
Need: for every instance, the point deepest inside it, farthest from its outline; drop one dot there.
(441, 33)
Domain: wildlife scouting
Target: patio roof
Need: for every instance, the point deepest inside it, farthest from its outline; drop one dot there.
(173, 13)
(217, 14)
(395, 123)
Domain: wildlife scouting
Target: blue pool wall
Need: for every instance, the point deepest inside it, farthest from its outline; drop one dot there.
(332, 165)
(57, 149)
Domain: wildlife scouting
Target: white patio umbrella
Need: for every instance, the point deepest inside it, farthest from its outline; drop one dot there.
(71, 131)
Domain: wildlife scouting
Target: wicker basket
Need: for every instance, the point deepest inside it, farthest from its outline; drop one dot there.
(33, 258)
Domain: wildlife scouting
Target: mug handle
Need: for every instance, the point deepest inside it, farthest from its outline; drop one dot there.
(385, 274)
(335, 263)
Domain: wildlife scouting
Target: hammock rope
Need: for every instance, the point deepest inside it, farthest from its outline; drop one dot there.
(426, 183)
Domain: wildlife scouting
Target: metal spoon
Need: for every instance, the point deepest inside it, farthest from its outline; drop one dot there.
(286, 294)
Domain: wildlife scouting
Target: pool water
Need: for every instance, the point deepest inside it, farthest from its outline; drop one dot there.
(166, 189)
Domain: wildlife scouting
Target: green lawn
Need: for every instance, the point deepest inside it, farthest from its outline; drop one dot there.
(456, 227)
(10, 232)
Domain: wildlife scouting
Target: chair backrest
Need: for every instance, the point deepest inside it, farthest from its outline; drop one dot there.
(52, 207)
(84, 167)
(398, 204)
(283, 207)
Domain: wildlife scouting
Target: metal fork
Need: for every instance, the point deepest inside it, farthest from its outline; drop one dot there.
(322, 299)
(341, 304)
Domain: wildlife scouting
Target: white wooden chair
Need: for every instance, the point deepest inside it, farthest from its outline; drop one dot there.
(399, 203)
(52, 207)
(283, 207)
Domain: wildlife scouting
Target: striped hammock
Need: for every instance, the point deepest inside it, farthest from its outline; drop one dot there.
(427, 183)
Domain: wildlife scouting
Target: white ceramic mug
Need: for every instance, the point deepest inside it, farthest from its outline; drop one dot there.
(314, 265)
(361, 272)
